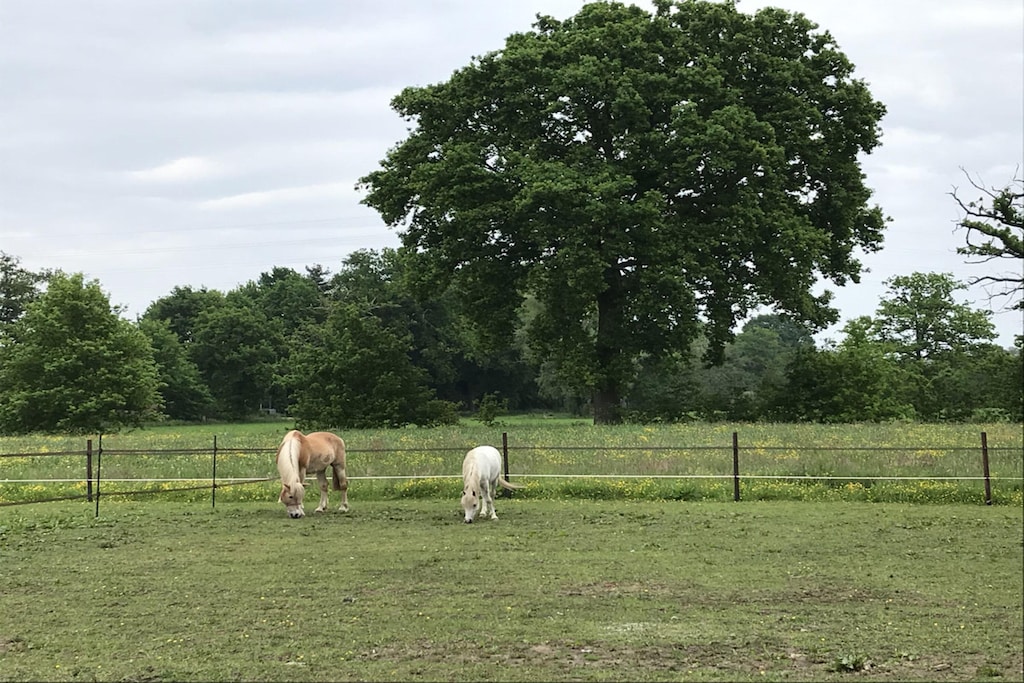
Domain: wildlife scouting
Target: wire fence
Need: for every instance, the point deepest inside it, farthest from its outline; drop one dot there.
(728, 466)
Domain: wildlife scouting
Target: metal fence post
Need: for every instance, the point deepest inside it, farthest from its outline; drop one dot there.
(504, 458)
(735, 466)
(99, 470)
(213, 488)
(88, 470)
(984, 467)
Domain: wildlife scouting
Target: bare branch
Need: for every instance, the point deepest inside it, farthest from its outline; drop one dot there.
(994, 229)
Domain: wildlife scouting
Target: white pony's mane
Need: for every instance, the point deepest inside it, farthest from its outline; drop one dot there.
(471, 473)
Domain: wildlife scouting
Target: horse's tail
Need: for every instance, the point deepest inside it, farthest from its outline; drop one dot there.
(338, 464)
(508, 485)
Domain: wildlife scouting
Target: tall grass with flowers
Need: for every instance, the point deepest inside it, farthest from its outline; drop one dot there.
(552, 458)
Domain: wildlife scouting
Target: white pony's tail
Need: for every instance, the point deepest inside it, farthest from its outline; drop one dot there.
(508, 485)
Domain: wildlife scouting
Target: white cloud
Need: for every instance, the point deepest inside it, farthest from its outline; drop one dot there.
(185, 169)
(248, 200)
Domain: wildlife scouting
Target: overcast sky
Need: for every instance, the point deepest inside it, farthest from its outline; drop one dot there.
(158, 143)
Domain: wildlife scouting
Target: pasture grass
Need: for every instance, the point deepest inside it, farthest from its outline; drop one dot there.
(553, 457)
(557, 589)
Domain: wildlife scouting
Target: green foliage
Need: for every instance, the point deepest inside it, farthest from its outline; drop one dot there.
(185, 395)
(182, 308)
(490, 407)
(236, 348)
(355, 372)
(919, 319)
(636, 174)
(850, 663)
(71, 364)
(18, 288)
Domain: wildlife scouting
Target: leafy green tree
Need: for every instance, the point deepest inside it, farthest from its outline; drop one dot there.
(854, 381)
(289, 301)
(919, 318)
(993, 228)
(444, 342)
(185, 395)
(182, 308)
(18, 287)
(71, 364)
(665, 389)
(286, 296)
(750, 382)
(645, 177)
(930, 334)
(354, 372)
(236, 348)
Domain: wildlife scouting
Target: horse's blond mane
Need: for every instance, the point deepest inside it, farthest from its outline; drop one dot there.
(289, 448)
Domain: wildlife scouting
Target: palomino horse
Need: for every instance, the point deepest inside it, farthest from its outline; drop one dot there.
(481, 473)
(314, 453)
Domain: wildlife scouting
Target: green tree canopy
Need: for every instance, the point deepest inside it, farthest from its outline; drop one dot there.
(71, 364)
(185, 394)
(919, 318)
(355, 372)
(18, 287)
(236, 348)
(643, 176)
(182, 308)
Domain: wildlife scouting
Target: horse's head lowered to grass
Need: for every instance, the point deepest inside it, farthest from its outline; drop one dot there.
(292, 495)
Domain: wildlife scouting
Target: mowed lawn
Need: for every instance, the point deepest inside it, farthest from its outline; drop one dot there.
(554, 590)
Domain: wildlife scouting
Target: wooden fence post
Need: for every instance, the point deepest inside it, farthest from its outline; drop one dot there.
(735, 466)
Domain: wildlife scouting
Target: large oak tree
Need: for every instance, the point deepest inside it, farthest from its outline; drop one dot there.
(643, 176)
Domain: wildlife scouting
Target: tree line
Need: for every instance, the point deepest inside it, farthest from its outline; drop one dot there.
(356, 349)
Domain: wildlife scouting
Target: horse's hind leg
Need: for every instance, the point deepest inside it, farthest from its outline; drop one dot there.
(321, 477)
(341, 484)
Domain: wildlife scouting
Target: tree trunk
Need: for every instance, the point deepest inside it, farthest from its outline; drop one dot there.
(607, 410)
(608, 348)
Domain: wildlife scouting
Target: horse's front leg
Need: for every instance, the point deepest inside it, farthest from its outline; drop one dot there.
(487, 501)
(322, 478)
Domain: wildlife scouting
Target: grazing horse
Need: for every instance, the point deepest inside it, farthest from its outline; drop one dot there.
(314, 453)
(481, 473)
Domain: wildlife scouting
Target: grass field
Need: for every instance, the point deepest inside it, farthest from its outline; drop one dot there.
(555, 590)
(557, 458)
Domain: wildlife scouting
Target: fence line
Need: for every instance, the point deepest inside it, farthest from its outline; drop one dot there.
(735, 448)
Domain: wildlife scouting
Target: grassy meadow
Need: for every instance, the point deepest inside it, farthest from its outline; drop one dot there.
(554, 590)
(553, 458)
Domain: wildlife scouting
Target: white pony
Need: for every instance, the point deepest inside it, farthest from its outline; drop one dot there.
(481, 473)
(314, 453)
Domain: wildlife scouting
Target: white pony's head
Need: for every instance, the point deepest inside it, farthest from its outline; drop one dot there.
(291, 496)
(470, 503)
